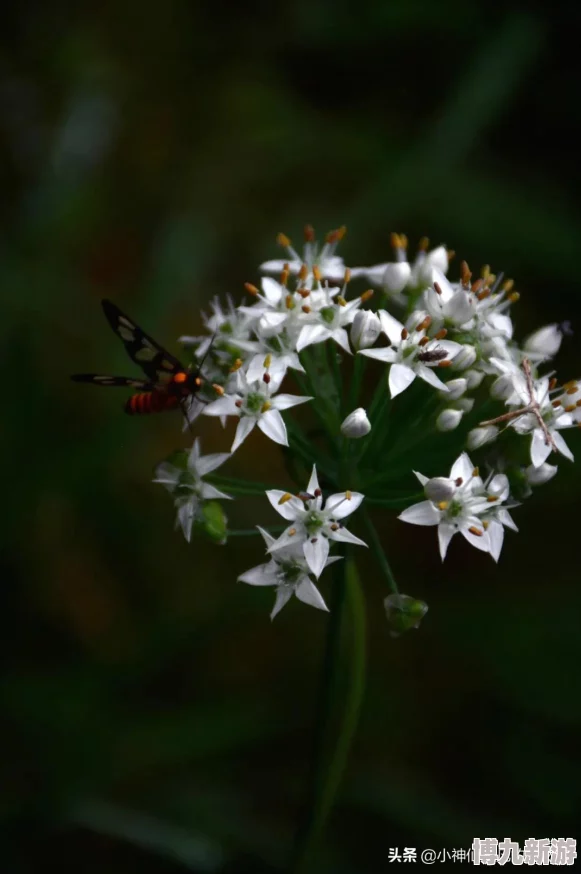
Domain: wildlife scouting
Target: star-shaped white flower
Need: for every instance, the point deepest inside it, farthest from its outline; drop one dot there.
(412, 353)
(330, 266)
(462, 503)
(395, 277)
(312, 525)
(187, 486)
(328, 321)
(254, 404)
(288, 571)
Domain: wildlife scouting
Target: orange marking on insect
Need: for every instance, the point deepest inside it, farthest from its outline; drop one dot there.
(180, 377)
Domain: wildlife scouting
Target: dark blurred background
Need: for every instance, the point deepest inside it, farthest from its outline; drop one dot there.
(153, 718)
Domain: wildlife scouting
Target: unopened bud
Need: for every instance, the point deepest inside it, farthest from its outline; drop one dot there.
(365, 329)
(356, 424)
(465, 358)
(449, 419)
(537, 476)
(437, 258)
(403, 613)
(439, 489)
(465, 404)
(396, 276)
(456, 388)
(544, 343)
(480, 436)
(503, 387)
(473, 378)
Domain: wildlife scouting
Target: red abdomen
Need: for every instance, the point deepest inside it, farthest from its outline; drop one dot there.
(150, 402)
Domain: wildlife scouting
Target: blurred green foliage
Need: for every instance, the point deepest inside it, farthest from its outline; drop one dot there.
(153, 718)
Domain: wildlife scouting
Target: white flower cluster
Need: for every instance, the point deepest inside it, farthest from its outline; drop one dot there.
(457, 337)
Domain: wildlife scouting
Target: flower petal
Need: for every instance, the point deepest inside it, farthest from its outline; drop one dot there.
(316, 551)
(400, 377)
(462, 468)
(207, 463)
(342, 535)
(290, 509)
(339, 506)
(283, 596)
(272, 424)
(243, 429)
(445, 535)
(423, 513)
(285, 402)
(311, 334)
(390, 326)
(428, 375)
(210, 492)
(261, 575)
(562, 446)
(496, 537)
(225, 406)
(385, 353)
(307, 592)
(341, 337)
(540, 449)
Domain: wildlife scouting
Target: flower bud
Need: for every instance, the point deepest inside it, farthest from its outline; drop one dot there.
(473, 378)
(456, 388)
(439, 488)
(403, 613)
(356, 424)
(365, 329)
(480, 436)
(537, 476)
(465, 404)
(544, 343)
(396, 276)
(438, 259)
(212, 522)
(503, 387)
(449, 419)
(465, 358)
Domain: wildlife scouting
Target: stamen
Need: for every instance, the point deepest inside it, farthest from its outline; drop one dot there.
(303, 292)
(446, 363)
(570, 408)
(478, 285)
(303, 272)
(267, 361)
(334, 527)
(556, 403)
(442, 505)
(507, 285)
(251, 289)
(265, 407)
(284, 275)
(553, 383)
(366, 295)
(309, 234)
(238, 404)
(425, 324)
(572, 390)
(483, 294)
(424, 244)
(485, 524)
(437, 288)
(336, 235)
(266, 378)
(236, 366)
(424, 341)
(317, 273)
(286, 497)
(283, 240)
(395, 241)
(458, 482)
(341, 301)
(404, 334)
(441, 334)
(218, 388)
(476, 471)
(348, 495)
(451, 254)
(318, 493)
(314, 539)
(476, 531)
(485, 271)
(289, 302)
(567, 385)
(306, 309)
(514, 297)
(492, 499)
(347, 277)
(465, 274)
(292, 532)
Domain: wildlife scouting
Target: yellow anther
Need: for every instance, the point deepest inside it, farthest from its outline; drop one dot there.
(485, 524)
(303, 292)
(508, 285)
(442, 505)
(283, 240)
(317, 273)
(286, 497)
(265, 407)
(476, 471)
(570, 408)
(306, 309)
(236, 366)
(303, 272)
(451, 254)
(341, 301)
(424, 244)
(289, 302)
(268, 361)
(485, 271)
(492, 499)
(309, 234)
(476, 531)
(251, 289)
(445, 363)
(347, 277)
(284, 275)
(217, 388)
(348, 495)
(572, 390)
(514, 297)
(404, 333)
(366, 295)
(394, 240)
(441, 334)
(292, 532)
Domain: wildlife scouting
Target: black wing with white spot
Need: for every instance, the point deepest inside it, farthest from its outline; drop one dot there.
(157, 363)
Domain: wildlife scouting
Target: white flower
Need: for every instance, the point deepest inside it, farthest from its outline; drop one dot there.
(473, 378)
(538, 476)
(412, 354)
(187, 486)
(330, 265)
(287, 570)
(328, 321)
(465, 357)
(253, 403)
(543, 344)
(448, 306)
(312, 525)
(356, 424)
(540, 418)
(456, 388)
(365, 329)
(470, 507)
(394, 277)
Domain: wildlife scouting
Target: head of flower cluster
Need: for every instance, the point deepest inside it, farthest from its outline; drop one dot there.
(484, 391)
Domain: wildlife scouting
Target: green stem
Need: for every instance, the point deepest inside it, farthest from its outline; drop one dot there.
(356, 380)
(341, 697)
(251, 532)
(239, 486)
(380, 555)
(395, 503)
